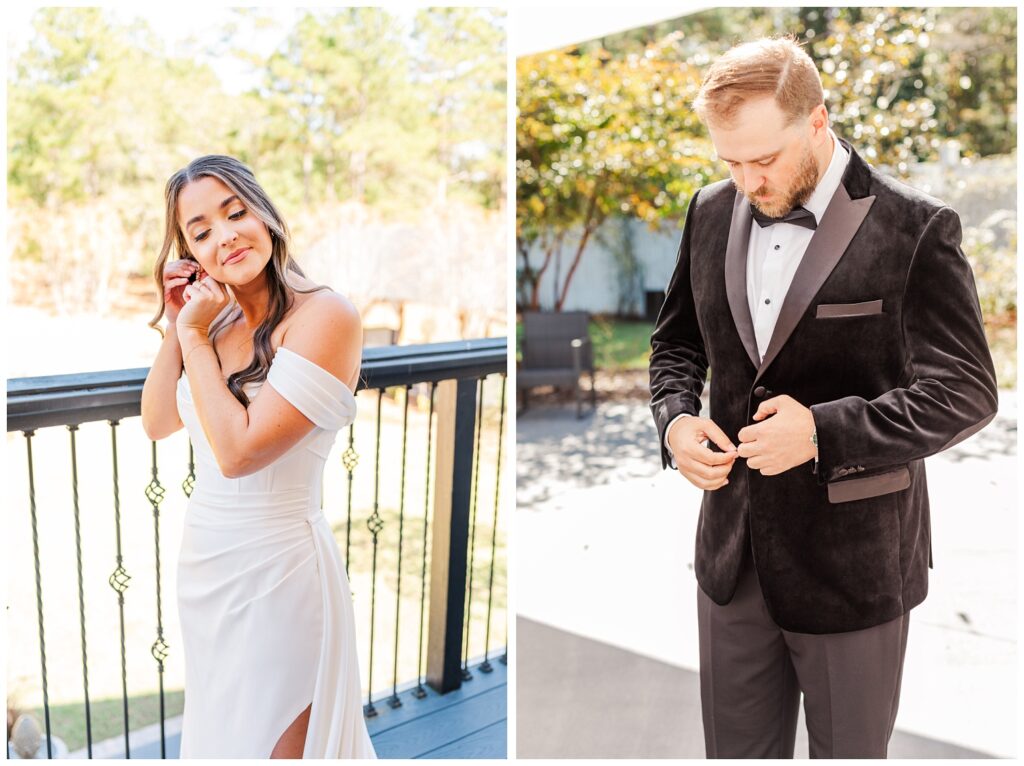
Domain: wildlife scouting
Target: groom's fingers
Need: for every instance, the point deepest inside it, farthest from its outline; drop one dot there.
(701, 477)
(705, 456)
(708, 472)
(717, 435)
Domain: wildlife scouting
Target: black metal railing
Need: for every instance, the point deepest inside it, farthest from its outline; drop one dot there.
(451, 377)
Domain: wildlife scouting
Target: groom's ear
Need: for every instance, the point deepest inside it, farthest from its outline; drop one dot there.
(819, 118)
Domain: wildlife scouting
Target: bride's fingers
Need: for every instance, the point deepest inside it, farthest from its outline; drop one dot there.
(182, 268)
(209, 285)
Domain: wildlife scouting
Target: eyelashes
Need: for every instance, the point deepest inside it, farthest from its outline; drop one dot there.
(234, 217)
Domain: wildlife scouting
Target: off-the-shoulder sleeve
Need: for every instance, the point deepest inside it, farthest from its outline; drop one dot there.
(313, 391)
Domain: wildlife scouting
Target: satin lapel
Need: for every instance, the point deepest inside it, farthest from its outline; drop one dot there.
(842, 218)
(736, 275)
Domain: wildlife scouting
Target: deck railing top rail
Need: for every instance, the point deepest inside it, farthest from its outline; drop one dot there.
(54, 400)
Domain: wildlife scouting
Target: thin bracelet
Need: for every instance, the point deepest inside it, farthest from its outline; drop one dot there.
(199, 345)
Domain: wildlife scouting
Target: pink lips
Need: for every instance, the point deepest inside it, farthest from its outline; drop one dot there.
(237, 256)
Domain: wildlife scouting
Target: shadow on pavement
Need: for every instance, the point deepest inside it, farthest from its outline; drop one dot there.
(555, 451)
(580, 698)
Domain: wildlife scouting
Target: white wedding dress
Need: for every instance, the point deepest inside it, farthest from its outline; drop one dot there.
(264, 601)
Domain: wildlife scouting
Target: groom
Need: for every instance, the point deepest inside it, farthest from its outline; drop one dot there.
(840, 321)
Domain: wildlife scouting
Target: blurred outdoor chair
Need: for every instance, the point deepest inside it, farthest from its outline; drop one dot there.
(556, 352)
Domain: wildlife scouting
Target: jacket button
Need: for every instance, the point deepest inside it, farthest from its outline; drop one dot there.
(760, 391)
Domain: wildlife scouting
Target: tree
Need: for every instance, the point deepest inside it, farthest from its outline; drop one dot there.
(90, 144)
(340, 93)
(460, 57)
(598, 136)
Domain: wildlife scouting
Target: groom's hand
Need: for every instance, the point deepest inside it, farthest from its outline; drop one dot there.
(780, 438)
(701, 466)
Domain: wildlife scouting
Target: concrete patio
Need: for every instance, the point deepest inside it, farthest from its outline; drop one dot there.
(605, 592)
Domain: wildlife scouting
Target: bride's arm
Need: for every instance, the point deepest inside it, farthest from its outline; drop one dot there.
(160, 416)
(327, 333)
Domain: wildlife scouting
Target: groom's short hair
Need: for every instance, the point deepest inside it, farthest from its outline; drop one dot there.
(776, 67)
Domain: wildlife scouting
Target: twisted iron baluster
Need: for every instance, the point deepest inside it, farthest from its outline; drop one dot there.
(486, 664)
(466, 675)
(72, 429)
(350, 459)
(39, 588)
(420, 691)
(395, 702)
(375, 524)
(155, 495)
(189, 482)
(118, 579)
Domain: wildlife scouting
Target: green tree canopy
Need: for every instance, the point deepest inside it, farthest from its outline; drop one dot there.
(356, 104)
(605, 128)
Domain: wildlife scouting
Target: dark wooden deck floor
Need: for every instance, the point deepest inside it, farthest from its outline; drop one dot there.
(469, 722)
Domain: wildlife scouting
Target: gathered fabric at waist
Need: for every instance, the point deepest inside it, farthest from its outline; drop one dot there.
(247, 508)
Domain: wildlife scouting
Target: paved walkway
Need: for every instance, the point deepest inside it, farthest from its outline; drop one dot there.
(605, 593)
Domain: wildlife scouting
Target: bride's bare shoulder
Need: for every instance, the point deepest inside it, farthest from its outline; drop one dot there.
(328, 332)
(325, 319)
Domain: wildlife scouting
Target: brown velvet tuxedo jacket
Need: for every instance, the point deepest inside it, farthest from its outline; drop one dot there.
(881, 336)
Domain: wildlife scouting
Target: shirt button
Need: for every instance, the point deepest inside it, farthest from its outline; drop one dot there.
(777, 247)
(767, 301)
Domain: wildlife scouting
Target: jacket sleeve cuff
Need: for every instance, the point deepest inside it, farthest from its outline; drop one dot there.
(828, 423)
(668, 449)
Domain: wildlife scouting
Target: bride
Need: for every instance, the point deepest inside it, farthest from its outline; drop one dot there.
(259, 364)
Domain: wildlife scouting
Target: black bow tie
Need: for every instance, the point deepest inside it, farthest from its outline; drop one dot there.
(798, 216)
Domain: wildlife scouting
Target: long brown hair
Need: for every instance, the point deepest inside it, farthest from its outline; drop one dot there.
(240, 179)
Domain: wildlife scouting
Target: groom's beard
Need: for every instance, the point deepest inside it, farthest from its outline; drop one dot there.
(805, 181)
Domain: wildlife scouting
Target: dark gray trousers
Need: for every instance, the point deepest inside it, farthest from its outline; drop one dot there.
(752, 673)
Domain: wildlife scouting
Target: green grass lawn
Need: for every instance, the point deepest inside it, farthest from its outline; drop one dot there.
(619, 344)
(107, 716)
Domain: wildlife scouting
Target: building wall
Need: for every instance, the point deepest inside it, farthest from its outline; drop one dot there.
(598, 286)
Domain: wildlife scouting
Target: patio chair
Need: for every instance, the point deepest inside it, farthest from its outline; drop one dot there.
(556, 351)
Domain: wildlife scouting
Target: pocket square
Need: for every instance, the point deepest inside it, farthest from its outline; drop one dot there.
(848, 490)
(834, 310)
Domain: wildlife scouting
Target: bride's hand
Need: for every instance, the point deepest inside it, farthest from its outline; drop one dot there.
(204, 301)
(176, 277)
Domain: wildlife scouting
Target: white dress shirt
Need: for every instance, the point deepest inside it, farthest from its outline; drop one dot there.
(775, 252)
